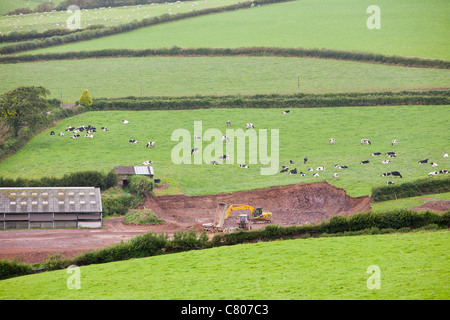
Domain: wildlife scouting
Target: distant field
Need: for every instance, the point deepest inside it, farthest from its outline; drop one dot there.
(408, 28)
(420, 131)
(10, 5)
(412, 266)
(409, 202)
(107, 16)
(188, 76)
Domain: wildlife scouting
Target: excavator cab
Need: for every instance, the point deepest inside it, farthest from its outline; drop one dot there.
(257, 212)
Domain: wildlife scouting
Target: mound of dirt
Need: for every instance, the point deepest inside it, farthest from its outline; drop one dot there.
(293, 204)
(437, 206)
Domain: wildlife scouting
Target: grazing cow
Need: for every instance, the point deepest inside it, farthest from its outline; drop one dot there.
(433, 164)
(385, 161)
(249, 125)
(365, 141)
(443, 171)
(195, 150)
(376, 153)
(320, 168)
(75, 136)
(214, 163)
(104, 128)
(335, 176)
(69, 128)
(61, 134)
(125, 122)
(392, 155)
(310, 169)
(433, 173)
(305, 160)
(224, 157)
(243, 166)
(148, 162)
(396, 174)
(89, 136)
(284, 170)
(291, 161)
(364, 162)
(293, 171)
(332, 141)
(445, 155)
(423, 161)
(228, 123)
(394, 142)
(151, 144)
(340, 167)
(389, 182)
(52, 133)
(225, 138)
(286, 111)
(389, 153)
(302, 174)
(385, 174)
(133, 141)
(315, 175)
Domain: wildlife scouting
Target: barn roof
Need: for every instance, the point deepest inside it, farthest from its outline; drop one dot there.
(56, 200)
(141, 170)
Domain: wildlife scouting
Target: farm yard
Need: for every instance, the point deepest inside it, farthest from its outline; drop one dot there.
(354, 169)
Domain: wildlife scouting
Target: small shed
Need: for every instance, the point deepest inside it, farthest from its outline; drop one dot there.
(26, 208)
(124, 173)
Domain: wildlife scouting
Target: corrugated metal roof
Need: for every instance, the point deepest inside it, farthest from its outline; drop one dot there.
(57, 200)
(141, 170)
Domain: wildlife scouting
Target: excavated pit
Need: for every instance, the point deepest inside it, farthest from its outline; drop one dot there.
(290, 205)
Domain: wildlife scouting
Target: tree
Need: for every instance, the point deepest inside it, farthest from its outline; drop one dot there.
(85, 99)
(23, 106)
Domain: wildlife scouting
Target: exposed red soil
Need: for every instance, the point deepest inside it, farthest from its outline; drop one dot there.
(437, 206)
(290, 205)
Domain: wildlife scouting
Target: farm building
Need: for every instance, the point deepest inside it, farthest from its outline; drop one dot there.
(124, 173)
(26, 208)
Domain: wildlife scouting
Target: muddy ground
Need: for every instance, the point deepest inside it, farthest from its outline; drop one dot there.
(290, 205)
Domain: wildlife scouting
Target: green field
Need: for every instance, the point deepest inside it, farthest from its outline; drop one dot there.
(107, 16)
(10, 5)
(413, 266)
(303, 132)
(411, 202)
(188, 76)
(408, 28)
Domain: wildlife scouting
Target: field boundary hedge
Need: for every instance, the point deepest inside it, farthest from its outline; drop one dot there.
(230, 52)
(152, 244)
(126, 27)
(434, 97)
(411, 189)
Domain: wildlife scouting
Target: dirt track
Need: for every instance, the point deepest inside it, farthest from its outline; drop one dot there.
(295, 204)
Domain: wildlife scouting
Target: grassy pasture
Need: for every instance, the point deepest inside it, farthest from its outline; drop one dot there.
(188, 76)
(411, 202)
(303, 132)
(408, 28)
(10, 5)
(413, 266)
(106, 16)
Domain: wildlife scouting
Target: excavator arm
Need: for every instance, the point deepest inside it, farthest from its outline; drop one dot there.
(238, 207)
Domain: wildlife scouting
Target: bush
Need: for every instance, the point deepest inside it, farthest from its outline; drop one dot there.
(141, 185)
(9, 269)
(119, 205)
(140, 217)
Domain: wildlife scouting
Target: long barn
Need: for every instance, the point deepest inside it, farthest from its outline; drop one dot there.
(26, 208)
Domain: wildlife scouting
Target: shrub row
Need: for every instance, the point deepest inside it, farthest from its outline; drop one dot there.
(126, 27)
(119, 205)
(152, 244)
(76, 179)
(276, 101)
(411, 189)
(249, 51)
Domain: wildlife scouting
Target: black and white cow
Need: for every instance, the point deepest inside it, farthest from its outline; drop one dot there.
(396, 174)
(133, 141)
(423, 161)
(195, 150)
(364, 162)
(52, 133)
(386, 161)
(244, 166)
(433, 173)
(320, 168)
(389, 182)
(125, 122)
(445, 155)
(214, 163)
(315, 174)
(69, 128)
(75, 136)
(105, 129)
(89, 136)
(224, 157)
(332, 141)
(394, 142)
(147, 163)
(302, 174)
(293, 171)
(433, 164)
(376, 153)
(228, 123)
(284, 169)
(365, 141)
(61, 134)
(249, 125)
(286, 111)
(151, 144)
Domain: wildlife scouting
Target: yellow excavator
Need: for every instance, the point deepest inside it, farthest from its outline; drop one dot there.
(244, 221)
